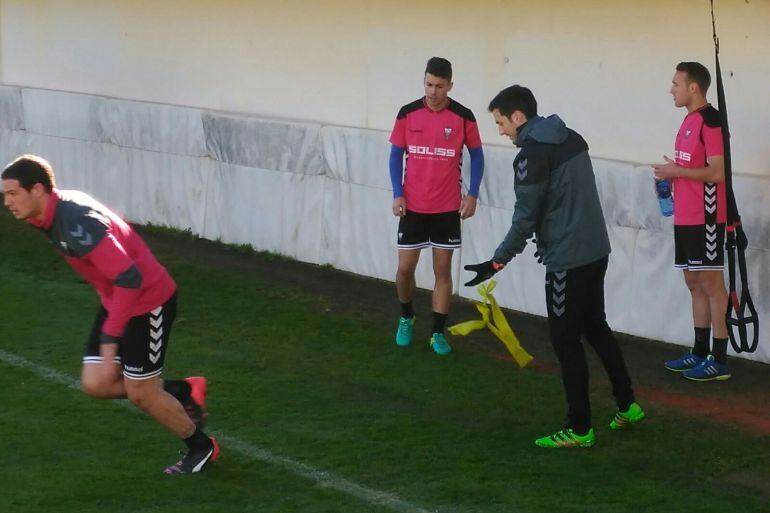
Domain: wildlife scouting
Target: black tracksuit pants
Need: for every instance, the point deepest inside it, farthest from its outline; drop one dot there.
(575, 301)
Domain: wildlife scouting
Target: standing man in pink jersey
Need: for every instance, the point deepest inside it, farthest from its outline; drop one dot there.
(700, 213)
(427, 197)
(131, 331)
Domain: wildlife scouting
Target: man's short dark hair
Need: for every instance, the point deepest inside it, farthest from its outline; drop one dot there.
(514, 98)
(696, 72)
(439, 67)
(29, 170)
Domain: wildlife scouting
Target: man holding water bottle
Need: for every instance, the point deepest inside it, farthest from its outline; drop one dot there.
(697, 175)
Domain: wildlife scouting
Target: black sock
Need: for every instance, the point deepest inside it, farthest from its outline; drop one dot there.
(179, 388)
(406, 310)
(702, 336)
(720, 350)
(439, 322)
(198, 440)
(581, 431)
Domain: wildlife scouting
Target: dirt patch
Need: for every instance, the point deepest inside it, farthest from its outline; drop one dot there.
(739, 402)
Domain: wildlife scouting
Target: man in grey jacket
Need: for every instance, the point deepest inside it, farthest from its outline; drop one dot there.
(557, 201)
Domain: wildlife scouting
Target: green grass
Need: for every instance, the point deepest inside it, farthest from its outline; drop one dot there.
(328, 389)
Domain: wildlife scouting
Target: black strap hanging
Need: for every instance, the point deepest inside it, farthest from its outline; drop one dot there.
(737, 316)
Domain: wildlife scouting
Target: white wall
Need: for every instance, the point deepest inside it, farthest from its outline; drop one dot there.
(306, 190)
(604, 66)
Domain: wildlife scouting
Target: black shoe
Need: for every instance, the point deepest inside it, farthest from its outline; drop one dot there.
(195, 459)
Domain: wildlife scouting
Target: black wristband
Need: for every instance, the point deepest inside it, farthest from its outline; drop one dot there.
(107, 339)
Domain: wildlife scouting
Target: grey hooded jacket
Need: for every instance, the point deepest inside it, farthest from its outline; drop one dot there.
(556, 198)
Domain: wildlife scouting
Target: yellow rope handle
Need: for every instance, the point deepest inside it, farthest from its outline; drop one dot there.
(494, 319)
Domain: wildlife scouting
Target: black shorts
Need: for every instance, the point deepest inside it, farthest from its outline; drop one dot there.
(142, 348)
(417, 231)
(700, 247)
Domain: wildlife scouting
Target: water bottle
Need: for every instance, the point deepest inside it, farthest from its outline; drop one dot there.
(663, 188)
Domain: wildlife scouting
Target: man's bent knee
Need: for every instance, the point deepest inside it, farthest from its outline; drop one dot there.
(95, 389)
(143, 392)
(97, 382)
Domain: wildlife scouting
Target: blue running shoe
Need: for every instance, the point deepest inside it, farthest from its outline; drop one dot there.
(683, 363)
(404, 331)
(708, 370)
(439, 344)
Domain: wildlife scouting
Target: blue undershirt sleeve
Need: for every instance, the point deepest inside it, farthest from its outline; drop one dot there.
(397, 170)
(477, 170)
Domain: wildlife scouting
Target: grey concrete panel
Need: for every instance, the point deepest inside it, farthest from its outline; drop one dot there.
(154, 127)
(11, 108)
(67, 115)
(357, 156)
(265, 144)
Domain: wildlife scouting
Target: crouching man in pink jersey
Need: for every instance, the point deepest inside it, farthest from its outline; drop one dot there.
(700, 213)
(131, 331)
(431, 132)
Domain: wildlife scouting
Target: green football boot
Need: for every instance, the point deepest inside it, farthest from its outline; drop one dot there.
(566, 439)
(624, 419)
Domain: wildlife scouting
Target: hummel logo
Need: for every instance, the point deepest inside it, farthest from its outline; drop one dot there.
(687, 133)
(63, 245)
(559, 293)
(156, 334)
(400, 235)
(521, 171)
(78, 233)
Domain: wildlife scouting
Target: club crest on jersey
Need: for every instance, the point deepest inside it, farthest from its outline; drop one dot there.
(447, 132)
